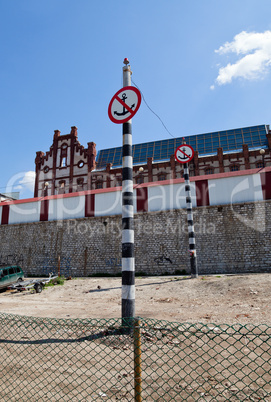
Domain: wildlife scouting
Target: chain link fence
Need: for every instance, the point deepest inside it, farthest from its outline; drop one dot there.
(44, 359)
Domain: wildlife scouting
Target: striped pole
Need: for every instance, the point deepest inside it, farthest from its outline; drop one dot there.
(128, 260)
(191, 232)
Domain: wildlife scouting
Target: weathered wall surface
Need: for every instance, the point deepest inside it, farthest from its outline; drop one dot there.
(229, 238)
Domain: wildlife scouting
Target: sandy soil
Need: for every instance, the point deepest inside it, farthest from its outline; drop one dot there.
(217, 299)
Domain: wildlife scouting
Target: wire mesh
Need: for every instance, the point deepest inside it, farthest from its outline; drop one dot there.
(97, 360)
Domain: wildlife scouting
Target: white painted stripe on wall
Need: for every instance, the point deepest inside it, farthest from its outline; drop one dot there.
(231, 190)
(24, 212)
(108, 203)
(170, 196)
(66, 208)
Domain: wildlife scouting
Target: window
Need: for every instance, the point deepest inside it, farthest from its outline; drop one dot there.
(63, 155)
(139, 180)
(80, 164)
(99, 185)
(46, 169)
(61, 187)
(162, 177)
(63, 161)
(80, 184)
(259, 165)
(11, 271)
(45, 189)
(209, 170)
(234, 168)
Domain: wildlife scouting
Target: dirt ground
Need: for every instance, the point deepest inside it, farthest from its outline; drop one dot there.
(214, 299)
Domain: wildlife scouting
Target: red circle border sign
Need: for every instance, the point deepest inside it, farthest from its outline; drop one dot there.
(132, 112)
(190, 157)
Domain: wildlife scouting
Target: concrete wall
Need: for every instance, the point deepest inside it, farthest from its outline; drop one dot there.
(229, 238)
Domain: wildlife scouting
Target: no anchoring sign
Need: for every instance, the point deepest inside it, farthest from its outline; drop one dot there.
(184, 153)
(124, 104)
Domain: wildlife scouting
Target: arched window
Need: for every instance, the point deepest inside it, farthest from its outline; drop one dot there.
(63, 155)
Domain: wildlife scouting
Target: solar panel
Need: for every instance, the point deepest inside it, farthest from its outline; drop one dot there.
(205, 144)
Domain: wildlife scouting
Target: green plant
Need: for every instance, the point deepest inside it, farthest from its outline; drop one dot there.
(49, 284)
(60, 280)
(56, 281)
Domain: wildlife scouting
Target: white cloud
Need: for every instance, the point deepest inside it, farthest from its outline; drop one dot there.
(28, 181)
(255, 61)
(23, 182)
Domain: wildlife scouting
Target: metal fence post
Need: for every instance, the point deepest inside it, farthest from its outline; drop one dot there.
(137, 360)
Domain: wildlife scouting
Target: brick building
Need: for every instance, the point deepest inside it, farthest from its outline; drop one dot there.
(69, 167)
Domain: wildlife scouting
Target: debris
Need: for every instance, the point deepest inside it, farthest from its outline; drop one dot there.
(242, 315)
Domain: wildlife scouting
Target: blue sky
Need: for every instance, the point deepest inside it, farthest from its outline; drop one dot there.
(202, 66)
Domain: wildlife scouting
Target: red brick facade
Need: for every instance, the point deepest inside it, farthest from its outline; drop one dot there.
(68, 167)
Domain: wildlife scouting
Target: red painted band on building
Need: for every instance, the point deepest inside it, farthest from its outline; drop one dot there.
(202, 193)
(5, 215)
(44, 210)
(142, 199)
(89, 205)
(266, 185)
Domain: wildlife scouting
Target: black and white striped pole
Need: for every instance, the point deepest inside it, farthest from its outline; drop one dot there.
(190, 223)
(184, 154)
(123, 106)
(128, 257)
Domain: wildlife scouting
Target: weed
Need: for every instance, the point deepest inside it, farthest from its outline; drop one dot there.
(57, 281)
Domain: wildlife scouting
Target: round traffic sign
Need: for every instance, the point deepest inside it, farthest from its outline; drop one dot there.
(184, 153)
(124, 104)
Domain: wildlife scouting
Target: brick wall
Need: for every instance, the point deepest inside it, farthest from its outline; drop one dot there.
(229, 238)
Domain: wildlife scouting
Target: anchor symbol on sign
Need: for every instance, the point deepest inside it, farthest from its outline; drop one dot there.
(124, 112)
(184, 154)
